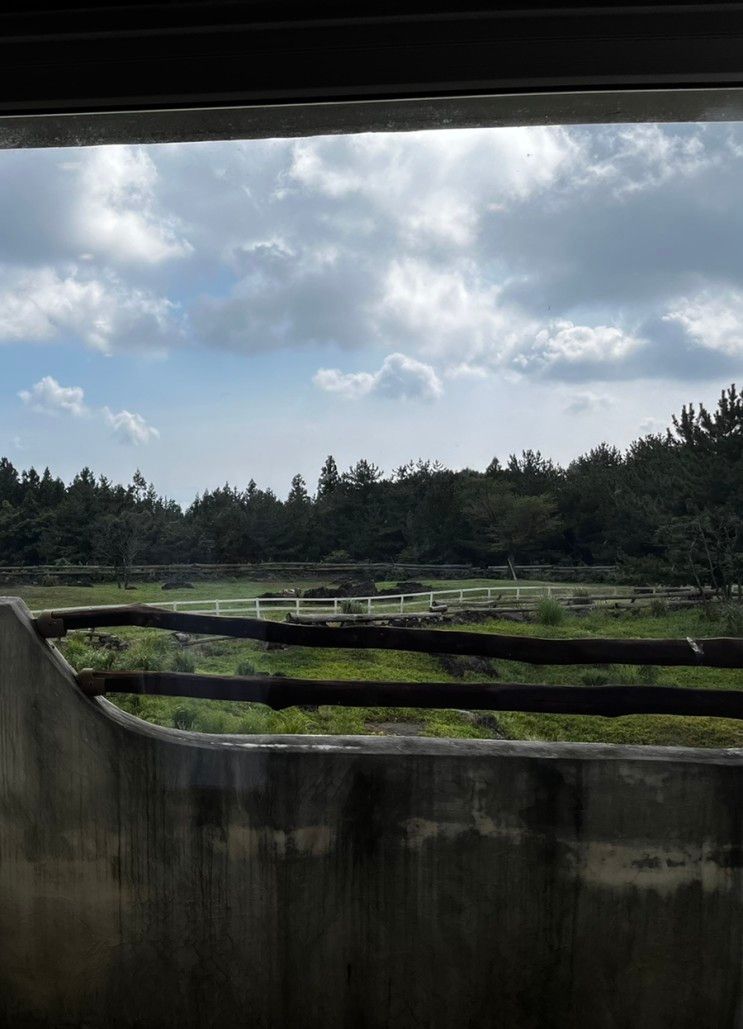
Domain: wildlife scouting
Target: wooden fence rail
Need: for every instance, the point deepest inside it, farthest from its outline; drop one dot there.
(281, 692)
(712, 652)
(277, 693)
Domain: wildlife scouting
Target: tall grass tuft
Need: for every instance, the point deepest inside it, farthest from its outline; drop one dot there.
(550, 612)
(183, 662)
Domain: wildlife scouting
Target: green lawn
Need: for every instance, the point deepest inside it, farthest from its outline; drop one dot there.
(159, 650)
(45, 597)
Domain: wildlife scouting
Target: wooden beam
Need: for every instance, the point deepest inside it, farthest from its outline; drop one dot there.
(709, 652)
(278, 693)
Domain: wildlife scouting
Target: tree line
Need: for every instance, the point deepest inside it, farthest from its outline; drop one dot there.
(669, 508)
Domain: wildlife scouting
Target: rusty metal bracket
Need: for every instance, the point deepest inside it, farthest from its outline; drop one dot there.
(50, 626)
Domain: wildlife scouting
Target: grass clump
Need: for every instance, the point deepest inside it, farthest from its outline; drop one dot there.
(550, 612)
(731, 619)
(183, 661)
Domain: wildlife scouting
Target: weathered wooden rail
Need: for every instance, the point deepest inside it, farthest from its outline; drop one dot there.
(280, 692)
(712, 652)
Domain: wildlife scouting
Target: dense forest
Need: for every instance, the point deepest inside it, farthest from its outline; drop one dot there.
(670, 508)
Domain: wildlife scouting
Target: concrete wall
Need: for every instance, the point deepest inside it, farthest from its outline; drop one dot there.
(156, 878)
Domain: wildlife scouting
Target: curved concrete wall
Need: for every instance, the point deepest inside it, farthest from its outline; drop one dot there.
(156, 878)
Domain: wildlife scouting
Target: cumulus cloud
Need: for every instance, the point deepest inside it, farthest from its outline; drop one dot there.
(48, 397)
(588, 403)
(713, 320)
(399, 378)
(117, 215)
(130, 428)
(550, 251)
(44, 304)
(564, 344)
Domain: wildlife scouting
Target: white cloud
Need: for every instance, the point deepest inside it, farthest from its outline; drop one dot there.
(49, 397)
(508, 162)
(42, 304)
(588, 403)
(130, 428)
(563, 344)
(639, 157)
(117, 215)
(713, 320)
(400, 377)
(450, 313)
(651, 425)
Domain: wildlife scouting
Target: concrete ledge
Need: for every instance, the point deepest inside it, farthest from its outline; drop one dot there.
(150, 877)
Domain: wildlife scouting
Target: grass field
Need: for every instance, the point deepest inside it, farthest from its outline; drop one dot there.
(150, 650)
(45, 597)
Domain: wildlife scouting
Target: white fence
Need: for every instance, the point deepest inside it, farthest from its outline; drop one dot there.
(260, 607)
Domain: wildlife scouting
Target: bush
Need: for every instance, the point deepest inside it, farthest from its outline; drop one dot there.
(184, 716)
(550, 612)
(351, 607)
(594, 678)
(184, 662)
(658, 608)
(245, 668)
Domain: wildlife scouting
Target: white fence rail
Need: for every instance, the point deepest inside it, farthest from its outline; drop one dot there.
(262, 607)
(259, 607)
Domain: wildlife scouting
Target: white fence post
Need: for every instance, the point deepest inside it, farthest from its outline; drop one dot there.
(335, 606)
(402, 603)
(257, 608)
(216, 607)
(369, 605)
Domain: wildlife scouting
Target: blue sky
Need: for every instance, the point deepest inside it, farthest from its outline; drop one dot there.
(221, 311)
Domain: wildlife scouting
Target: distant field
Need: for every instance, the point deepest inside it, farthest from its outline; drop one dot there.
(150, 650)
(42, 597)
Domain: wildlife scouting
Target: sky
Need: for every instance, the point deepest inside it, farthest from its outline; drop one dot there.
(212, 312)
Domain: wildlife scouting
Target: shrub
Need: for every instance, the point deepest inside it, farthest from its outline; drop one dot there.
(594, 678)
(549, 612)
(184, 716)
(245, 668)
(213, 721)
(351, 607)
(184, 662)
(81, 654)
(658, 608)
(148, 655)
